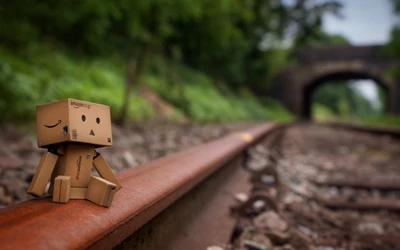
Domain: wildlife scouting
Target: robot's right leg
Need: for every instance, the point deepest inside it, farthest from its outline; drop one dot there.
(61, 189)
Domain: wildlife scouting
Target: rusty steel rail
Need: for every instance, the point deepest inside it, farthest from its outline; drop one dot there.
(390, 131)
(149, 191)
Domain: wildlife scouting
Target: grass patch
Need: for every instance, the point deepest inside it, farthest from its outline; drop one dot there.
(38, 76)
(382, 120)
(196, 96)
(324, 114)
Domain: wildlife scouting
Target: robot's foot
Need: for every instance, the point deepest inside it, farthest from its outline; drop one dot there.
(61, 189)
(101, 191)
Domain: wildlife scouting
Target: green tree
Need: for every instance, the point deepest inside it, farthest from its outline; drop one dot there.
(393, 47)
(227, 40)
(343, 100)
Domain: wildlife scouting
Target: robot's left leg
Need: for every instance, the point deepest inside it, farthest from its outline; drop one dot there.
(101, 191)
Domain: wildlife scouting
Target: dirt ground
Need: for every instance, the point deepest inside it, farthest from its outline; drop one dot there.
(334, 189)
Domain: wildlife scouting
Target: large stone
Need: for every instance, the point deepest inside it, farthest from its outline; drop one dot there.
(370, 228)
(10, 162)
(278, 238)
(324, 248)
(252, 245)
(261, 239)
(270, 220)
(215, 248)
(300, 241)
(129, 159)
(254, 239)
(241, 197)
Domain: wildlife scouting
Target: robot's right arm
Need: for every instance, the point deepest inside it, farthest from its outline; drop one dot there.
(43, 173)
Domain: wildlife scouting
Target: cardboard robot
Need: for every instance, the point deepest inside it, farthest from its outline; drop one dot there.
(71, 130)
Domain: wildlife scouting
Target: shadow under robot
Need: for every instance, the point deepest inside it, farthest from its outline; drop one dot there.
(71, 130)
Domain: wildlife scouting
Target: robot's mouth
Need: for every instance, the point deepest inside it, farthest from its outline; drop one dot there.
(52, 126)
(91, 132)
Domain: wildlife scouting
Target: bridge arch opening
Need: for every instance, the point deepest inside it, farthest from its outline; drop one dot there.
(340, 78)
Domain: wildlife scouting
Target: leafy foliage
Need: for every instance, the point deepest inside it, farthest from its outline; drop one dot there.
(39, 76)
(393, 47)
(42, 76)
(225, 38)
(196, 96)
(85, 45)
(340, 99)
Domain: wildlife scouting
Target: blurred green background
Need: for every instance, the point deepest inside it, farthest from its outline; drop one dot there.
(206, 60)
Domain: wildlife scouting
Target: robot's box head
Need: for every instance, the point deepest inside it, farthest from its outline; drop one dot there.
(73, 120)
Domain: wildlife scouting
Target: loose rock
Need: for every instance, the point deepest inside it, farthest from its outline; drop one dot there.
(300, 240)
(370, 228)
(215, 248)
(241, 197)
(277, 238)
(271, 221)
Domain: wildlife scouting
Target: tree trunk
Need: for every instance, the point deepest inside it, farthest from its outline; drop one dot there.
(135, 71)
(128, 89)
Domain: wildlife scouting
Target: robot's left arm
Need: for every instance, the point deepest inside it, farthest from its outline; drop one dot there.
(105, 171)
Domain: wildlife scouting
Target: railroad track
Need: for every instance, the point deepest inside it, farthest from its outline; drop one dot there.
(164, 204)
(201, 198)
(340, 185)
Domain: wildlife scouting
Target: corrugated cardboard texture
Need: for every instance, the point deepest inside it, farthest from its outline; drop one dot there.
(62, 186)
(77, 163)
(77, 193)
(100, 191)
(43, 173)
(105, 171)
(50, 119)
(86, 122)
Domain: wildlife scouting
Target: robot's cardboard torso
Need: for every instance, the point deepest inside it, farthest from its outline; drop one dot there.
(76, 162)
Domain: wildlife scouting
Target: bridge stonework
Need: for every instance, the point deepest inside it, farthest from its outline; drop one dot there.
(294, 85)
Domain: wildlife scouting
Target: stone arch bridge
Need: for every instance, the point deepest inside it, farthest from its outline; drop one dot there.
(294, 85)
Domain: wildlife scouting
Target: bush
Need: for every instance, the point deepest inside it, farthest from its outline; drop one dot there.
(195, 94)
(38, 76)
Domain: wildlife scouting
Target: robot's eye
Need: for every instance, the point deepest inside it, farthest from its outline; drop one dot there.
(83, 118)
(98, 120)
